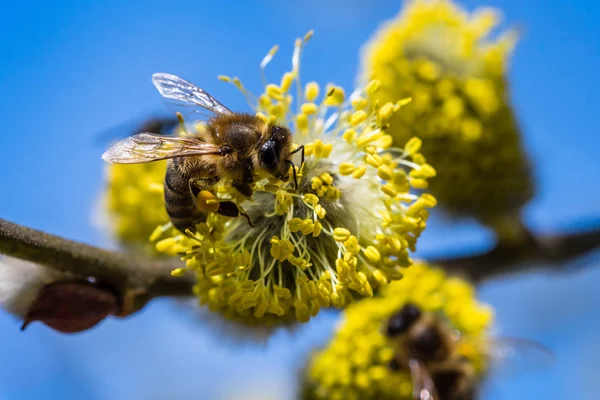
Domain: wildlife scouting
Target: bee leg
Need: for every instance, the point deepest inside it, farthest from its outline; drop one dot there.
(230, 209)
(243, 188)
(294, 172)
(245, 215)
(199, 184)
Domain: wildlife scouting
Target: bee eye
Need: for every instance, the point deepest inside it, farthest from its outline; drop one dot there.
(268, 155)
(397, 325)
(403, 319)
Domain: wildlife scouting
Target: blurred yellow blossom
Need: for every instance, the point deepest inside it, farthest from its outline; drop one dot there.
(355, 364)
(348, 227)
(446, 60)
(134, 200)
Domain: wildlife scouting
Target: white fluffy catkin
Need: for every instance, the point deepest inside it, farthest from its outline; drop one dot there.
(20, 282)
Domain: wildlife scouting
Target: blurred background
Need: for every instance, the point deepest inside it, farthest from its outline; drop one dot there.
(72, 69)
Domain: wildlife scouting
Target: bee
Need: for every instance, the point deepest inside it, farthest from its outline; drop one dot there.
(232, 146)
(427, 347)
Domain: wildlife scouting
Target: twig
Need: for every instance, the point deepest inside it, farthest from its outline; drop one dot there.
(135, 279)
(548, 252)
(138, 279)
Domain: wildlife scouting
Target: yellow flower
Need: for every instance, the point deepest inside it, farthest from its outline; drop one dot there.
(134, 193)
(444, 58)
(134, 199)
(334, 238)
(355, 364)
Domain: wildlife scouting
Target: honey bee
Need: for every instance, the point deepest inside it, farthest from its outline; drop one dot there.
(427, 347)
(232, 146)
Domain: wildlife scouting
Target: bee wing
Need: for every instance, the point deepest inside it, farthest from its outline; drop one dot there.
(148, 147)
(511, 355)
(423, 387)
(176, 88)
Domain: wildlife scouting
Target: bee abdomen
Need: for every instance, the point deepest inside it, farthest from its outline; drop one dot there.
(180, 203)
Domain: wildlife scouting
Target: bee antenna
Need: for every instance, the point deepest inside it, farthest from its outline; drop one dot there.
(294, 172)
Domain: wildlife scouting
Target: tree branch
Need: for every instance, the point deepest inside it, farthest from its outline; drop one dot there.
(548, 252)
(135, 279)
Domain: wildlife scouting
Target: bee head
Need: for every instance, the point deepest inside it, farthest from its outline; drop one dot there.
(402, 321)
(427, 342)
(422, 335)
(275, 150)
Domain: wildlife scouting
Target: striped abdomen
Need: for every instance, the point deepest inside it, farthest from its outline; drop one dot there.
(180, 202)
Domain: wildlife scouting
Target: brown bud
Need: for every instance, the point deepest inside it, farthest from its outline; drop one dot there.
(71, 307)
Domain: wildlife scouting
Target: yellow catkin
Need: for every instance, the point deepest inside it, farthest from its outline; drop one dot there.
(355, 364)
(135, 201)
(300, 242)
(460, 107)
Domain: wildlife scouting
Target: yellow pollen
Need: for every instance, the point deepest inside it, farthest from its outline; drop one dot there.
(373, 86)
(286, 81)
(275, 91)
(372, 254)
(385, 172)
(311, 91)
(328, 179)
(413, 146)
(358, 117)
(349, 135)
(347, 168)
(373, 160)
(262, 117)
(309, 108)
(207, 202)
(359, 103)
(360, 172)
(302, 121)
(335, 96)
(311, 199)
(320, 211)
(341, 234)
(389, 189)
(281, 249)
(385, 112)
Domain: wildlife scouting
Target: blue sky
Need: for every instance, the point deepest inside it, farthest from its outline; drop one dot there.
(71, 69)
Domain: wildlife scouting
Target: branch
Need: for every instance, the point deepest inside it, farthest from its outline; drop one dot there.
(548, 252)
(135, 279)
